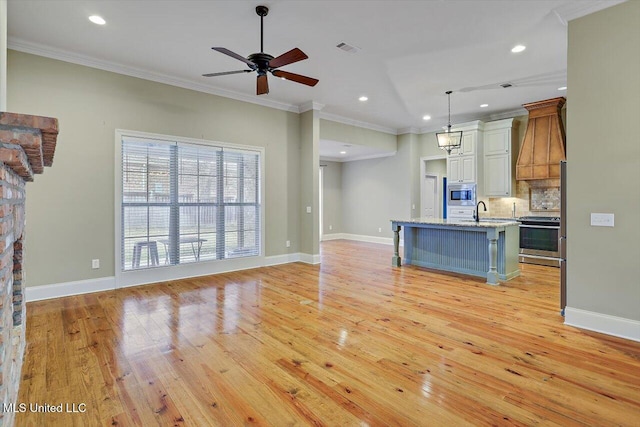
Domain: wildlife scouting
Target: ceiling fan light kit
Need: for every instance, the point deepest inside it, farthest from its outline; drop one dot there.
(263, 63)
(449, 140)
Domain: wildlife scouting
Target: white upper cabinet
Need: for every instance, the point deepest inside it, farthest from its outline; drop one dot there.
(497, 141)
(461, 169)
(500, 155)
(464, 164)
(468, 144)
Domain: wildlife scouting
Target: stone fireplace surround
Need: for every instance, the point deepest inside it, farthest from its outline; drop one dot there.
(27, 145)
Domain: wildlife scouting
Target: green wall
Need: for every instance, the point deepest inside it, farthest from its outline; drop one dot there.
(332, 197)
(603, 161)
(350, 134)
(70, 208)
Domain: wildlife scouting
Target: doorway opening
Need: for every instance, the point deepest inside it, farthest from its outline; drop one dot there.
(433, 172)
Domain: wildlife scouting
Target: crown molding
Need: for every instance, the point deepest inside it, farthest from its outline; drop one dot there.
(355, 158)
(74, 58)
(411, 129)
(573, 10)
(357, 123)
(310, 105)
(506, 114)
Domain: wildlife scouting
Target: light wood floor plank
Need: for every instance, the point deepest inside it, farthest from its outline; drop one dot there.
(352, 342)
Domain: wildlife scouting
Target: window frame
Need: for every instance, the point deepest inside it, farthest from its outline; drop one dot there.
(162, 272)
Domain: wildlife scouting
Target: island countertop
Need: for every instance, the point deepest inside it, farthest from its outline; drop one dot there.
(487, 222)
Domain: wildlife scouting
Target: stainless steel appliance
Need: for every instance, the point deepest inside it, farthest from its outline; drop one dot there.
(461, 195)
(539, 240)
(562, 242)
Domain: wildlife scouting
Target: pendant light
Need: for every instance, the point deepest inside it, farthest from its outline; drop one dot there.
(448, 140)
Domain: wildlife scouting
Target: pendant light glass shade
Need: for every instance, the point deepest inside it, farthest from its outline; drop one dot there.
(449, 140)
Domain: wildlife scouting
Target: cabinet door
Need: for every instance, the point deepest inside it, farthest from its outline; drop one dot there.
(468, 169)
(453, 169)
(467, 145)
(497, 175)
(497, 141)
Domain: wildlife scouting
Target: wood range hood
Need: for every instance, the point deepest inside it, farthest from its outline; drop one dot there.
(543, 146)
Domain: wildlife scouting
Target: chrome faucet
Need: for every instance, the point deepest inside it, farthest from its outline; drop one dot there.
(476, 213)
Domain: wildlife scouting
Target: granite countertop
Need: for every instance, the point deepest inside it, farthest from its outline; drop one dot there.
(484, 222)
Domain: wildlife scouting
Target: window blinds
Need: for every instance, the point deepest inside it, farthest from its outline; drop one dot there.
(185, 203)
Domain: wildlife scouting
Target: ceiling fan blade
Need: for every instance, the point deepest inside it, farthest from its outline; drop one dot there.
(263, 85)
(294, 55)
(224, 73)
(309, 81)
(235, 55)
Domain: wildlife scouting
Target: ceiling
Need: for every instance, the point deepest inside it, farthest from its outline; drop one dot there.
(411, 52)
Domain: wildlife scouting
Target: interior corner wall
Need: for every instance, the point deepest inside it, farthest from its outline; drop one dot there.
(71, 213)
(603, 162)
(375, 191)
(331, 197)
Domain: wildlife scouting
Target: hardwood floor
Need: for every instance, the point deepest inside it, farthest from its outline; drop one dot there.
(353, 342)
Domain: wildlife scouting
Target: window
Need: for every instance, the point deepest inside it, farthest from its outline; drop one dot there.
(185, 203)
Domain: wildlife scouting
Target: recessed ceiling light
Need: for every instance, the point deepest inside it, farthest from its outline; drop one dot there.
(426, 117)
(363, 98)
(484, 105)
(97, 19)
(562, 88)
(518, 48)
(343, 152)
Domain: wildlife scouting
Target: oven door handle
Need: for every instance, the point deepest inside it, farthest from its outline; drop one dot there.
(551, 227)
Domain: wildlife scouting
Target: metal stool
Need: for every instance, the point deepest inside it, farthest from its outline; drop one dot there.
(137, 251)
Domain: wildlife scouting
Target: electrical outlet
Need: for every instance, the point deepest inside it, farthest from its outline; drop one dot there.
(288, 244)
(380, 230)
(308, 209)
(330, 227)
(413, 207)
(602, 219)
(95, 263)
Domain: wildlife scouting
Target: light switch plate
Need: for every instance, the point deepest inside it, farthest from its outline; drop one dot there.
(602, 219)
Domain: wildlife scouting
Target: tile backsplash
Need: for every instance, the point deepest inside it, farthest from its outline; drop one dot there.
(544, 199)
(529, 200)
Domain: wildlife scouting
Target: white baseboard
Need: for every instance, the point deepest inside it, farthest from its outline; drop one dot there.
(361, 238)
(604, 323)
(57, 290)
(310, 259)
(281, 259)
(333, 236)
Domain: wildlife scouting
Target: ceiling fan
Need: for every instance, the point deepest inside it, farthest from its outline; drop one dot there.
(264, 63)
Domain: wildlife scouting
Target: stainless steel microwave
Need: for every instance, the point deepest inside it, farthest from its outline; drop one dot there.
(461, 195)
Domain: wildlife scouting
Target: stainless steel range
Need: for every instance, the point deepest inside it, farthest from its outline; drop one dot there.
(539, 240)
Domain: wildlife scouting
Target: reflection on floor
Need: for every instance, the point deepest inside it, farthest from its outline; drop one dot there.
(351, 342)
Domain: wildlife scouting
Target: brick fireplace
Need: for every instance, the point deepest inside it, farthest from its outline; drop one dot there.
(27, 145)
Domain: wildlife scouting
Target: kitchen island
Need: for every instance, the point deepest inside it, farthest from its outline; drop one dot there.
(488, 248)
